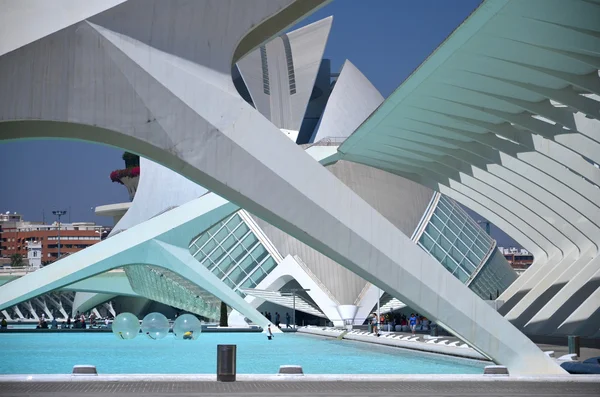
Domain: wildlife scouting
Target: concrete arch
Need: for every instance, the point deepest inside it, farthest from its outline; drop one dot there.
(162, 242)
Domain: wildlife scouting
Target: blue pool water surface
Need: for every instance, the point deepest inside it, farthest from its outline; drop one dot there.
(56, 353)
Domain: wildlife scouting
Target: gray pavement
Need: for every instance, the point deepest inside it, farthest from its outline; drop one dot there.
(347, 389)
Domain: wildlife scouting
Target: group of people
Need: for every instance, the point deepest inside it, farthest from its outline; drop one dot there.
(79, 321)
(413, 322)
(278, 319)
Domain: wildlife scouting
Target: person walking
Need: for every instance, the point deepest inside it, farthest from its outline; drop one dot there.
(287, 320)
(277, 319)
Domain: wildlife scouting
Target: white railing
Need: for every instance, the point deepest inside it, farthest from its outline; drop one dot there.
(15, 270)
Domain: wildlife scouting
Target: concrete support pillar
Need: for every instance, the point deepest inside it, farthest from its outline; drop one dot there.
(31, 310)
(18, 312)
(109, 307)
(5, 314)
(57, 304)
(44, 306)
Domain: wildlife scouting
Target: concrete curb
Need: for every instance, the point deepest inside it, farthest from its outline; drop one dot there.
(149, 378)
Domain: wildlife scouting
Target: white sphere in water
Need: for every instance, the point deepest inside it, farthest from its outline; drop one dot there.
(155, 326)
(126, 326)
(187, 326)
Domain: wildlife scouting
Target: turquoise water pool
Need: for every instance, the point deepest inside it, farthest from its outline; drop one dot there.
(56, 353)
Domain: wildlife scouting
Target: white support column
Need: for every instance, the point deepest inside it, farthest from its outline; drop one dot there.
(6, 315)
(109, 307)
(57, 304)
(41, 302)
(17, 310)
(30, 309)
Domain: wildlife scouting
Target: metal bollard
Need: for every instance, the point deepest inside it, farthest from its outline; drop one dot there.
(574, 345)
(226, 363)
(433, 330)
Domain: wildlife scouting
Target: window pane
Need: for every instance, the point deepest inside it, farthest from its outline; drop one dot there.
(237, 275)
(437, 221)
(427, 242)
(445, 243)
(209, 246)
(249, 241)
(233, 222)
(449, 264)
(248, 264)
(217, 272)
(473, 258)
(249, 283)
(217, 254)
(238, 253)
(227, 264)
(432, 231)
(462, 276)
(221, 234)
(259, 253)
(269, 265)
(229, 242)
(258, 277)
(241, 231)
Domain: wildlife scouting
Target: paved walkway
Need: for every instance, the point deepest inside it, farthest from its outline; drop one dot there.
(559, 350)
(347, 389)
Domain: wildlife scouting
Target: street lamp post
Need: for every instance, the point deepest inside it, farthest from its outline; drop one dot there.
(59, 214)
(293, 291)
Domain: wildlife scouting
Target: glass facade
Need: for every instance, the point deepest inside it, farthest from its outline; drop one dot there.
(494, 277)
(232, 252)
(455, 239)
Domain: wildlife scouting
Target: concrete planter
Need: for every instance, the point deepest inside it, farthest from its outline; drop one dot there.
(131, 184)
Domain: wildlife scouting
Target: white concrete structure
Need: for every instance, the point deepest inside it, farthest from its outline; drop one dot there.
(172, 100)
(503, 118)
(34, 254)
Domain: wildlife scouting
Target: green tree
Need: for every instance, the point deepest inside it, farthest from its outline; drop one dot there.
(16, 260)
(223, 320)
(131, 160)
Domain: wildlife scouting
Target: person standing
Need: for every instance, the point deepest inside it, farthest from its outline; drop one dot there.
(277, 319)
(413, 323)
(374, 323)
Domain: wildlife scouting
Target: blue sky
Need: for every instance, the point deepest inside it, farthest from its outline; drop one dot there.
(385, 39)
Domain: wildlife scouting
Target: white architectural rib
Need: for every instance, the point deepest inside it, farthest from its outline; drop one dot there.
(455, 158)
(535, 85)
